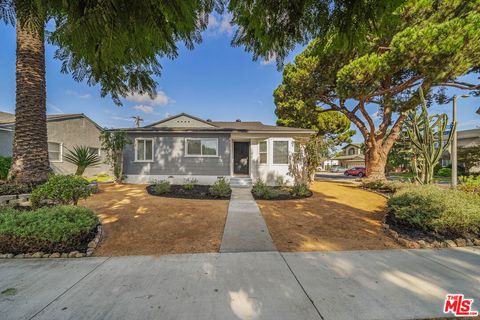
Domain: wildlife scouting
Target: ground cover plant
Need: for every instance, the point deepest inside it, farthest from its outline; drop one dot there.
(262, 191)
(48, 229)
(384, 186)
(433, 210)
(191, 190)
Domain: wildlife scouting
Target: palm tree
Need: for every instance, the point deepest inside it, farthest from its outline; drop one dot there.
(83, 157)
(112, 43)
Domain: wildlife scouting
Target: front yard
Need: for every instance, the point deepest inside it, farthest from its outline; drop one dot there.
(339, 216)
(137, 223)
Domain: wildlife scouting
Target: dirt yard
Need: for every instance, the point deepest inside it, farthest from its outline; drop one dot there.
(137, 223)
(339, 216)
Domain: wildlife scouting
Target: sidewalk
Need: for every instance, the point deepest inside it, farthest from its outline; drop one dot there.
(388, 284)
(245, 229)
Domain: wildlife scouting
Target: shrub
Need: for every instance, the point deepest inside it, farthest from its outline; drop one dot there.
(444, 172)
(220, 189)
(189, 183)
(262, 191)
(384, 185)
(435, 209)
(469, 184)
(5, 164)
(14, 188)
(300, 190)
(62, 190)
(54, 229)
(161, 187)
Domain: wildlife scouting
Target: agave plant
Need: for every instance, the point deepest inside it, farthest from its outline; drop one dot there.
(83, 157)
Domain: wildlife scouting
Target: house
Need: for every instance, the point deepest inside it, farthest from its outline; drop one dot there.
(64, 131)
(465, 139)
(184, 146)
(352, 156)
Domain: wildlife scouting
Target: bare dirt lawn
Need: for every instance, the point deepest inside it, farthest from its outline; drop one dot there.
(137, 223)
(339, 216)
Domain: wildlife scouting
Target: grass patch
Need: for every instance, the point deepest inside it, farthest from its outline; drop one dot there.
(54, 229)
(433, 209)
(101, 177)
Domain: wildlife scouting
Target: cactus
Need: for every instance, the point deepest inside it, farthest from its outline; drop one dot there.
(427, 135)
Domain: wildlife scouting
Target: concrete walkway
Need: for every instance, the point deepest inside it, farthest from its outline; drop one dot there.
(245, 229)
(389, 284)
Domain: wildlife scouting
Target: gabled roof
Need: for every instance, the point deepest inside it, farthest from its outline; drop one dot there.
(50, 117)
(357, 145)
(350, 157)
(158, 123)
(6, 117)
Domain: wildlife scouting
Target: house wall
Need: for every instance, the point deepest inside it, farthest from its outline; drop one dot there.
(75, 132)
(6, 143)
(170, 162)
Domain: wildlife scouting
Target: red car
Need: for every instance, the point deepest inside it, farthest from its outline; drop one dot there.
(357, 171)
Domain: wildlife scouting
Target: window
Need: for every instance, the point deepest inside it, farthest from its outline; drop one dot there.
(94, 150)
(144, 150)
(351, 151)
(201, 147)
(280, 152)
(55, 151)
(263, 151)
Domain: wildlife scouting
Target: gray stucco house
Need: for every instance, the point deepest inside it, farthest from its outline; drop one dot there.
(184, 146)
(64, 132)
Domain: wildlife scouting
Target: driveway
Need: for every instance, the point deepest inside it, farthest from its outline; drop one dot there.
(387, 284)
(334, 176)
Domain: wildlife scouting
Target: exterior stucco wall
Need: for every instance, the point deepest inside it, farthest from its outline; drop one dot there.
(75, 132)
(169, 157)
(6, 143)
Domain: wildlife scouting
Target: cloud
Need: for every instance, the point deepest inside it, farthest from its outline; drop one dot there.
(78, 95)
(376, 115)
(143, 108)
(272, 58)
(120, 118)
(160, 100)
(54, 107)
(218, 25)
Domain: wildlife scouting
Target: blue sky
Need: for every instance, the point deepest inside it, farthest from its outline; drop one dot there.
(214, 80)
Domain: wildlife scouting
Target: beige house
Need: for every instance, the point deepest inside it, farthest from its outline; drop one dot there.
(352, 156)
(64, 132)
(465, 139)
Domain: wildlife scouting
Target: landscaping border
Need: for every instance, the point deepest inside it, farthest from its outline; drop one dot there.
(92, 245)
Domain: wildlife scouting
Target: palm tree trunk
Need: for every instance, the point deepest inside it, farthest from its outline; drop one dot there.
(30, 148)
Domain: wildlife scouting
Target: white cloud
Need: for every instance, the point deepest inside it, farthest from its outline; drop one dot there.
(272, 58)
(218, 25)
(376, 115)
(143, 108)
(160, 99)
(78, 95)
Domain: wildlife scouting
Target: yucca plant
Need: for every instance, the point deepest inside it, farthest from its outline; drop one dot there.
(429, 141)
(83, 157)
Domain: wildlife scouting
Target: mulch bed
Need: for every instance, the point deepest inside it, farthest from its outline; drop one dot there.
(412, 233)
(177, 191)
(282, 193)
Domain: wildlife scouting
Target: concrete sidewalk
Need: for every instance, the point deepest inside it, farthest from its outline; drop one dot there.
(389, 284)
(245, 230)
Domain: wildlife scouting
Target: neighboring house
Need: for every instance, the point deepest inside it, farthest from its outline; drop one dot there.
(465, 139)
(352, 156)
(328, 164)
(64, 132)
(184, 146)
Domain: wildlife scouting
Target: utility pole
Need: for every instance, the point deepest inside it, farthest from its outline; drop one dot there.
(453, 154)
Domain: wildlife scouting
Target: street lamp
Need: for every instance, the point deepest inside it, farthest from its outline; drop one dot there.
(453, 155)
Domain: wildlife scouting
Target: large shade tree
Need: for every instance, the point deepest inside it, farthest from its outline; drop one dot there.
(366, 53)
(115, 44)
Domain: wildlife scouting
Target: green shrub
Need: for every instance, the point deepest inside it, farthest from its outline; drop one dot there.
(14, 188)
(469, 184)
(384, 185)
(444, 172)
(300, 190)
(161, 187)
(190, 183)
(62, 190)
(435, 209)
(54, 229)
(262, 191)
(220, 189)
(5, 164)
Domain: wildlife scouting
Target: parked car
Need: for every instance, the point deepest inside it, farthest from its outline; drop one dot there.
(357, 171)
(337, 169)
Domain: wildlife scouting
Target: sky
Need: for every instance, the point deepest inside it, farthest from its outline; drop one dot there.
(213, 81)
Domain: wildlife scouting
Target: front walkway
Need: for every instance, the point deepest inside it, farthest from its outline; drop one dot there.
(386, 284)
(245, 229)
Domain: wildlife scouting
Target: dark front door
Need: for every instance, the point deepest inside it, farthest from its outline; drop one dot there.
(241, 155)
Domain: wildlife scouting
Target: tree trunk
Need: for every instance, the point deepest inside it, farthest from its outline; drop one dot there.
(375, 161)
(30, 148)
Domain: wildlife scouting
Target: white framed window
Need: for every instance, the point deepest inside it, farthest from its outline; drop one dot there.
(94, 150)
(263, 151)
(55, 152)
(143, 150)
(204, 147)
(280, 152)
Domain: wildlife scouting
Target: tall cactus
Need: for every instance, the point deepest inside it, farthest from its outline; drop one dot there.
(427, 134)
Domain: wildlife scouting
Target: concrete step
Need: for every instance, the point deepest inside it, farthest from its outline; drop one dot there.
(240, 182)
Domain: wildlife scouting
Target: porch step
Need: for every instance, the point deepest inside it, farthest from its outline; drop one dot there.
(240, 182)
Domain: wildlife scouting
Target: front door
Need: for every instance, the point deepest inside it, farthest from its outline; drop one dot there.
(241, 155)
